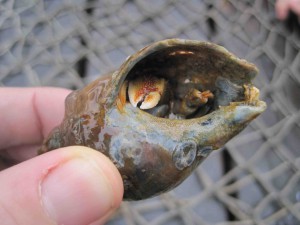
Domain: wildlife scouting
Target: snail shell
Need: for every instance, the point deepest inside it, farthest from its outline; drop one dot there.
(162, 112)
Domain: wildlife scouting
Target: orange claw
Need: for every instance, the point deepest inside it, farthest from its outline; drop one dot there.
(197, 98)
(145, 92)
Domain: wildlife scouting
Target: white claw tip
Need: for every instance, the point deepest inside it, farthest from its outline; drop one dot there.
(150, 101)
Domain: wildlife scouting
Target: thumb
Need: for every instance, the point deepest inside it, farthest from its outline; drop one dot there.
(72, 185)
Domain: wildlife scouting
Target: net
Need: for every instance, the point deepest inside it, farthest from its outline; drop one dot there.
(255, 179)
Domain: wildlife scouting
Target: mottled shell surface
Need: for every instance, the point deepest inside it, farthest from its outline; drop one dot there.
(156, 151)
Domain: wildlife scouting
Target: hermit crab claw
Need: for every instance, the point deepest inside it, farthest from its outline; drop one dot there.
(162, 112)
(146, 91)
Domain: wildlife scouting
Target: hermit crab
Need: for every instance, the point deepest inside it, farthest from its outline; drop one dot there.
(162, 112)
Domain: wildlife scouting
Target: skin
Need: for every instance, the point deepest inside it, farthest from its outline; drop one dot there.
(72, 185)
(284, 6)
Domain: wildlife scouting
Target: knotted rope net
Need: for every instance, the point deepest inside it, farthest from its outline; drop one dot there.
(255, 179)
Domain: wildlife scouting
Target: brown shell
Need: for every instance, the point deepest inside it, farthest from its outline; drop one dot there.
(156, 154)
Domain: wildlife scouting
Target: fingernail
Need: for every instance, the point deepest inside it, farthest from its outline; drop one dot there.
(77, 192)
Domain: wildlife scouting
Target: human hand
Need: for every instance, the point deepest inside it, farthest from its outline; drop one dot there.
(284, 6)
(72, 185)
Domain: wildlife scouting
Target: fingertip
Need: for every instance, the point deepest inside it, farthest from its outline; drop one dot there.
(100, 195)
(295, 6)
(106, 166)
(282, 9)
(72, 185)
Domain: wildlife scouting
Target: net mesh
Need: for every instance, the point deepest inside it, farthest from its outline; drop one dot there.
(255, 179)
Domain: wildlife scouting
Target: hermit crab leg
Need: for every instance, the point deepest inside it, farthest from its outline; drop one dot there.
(145, 92)
(192, 101)
(198, 98)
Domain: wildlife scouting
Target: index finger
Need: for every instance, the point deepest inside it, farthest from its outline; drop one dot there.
(27, 115)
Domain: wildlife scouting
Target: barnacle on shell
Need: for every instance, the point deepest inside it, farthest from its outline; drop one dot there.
(162, 112)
